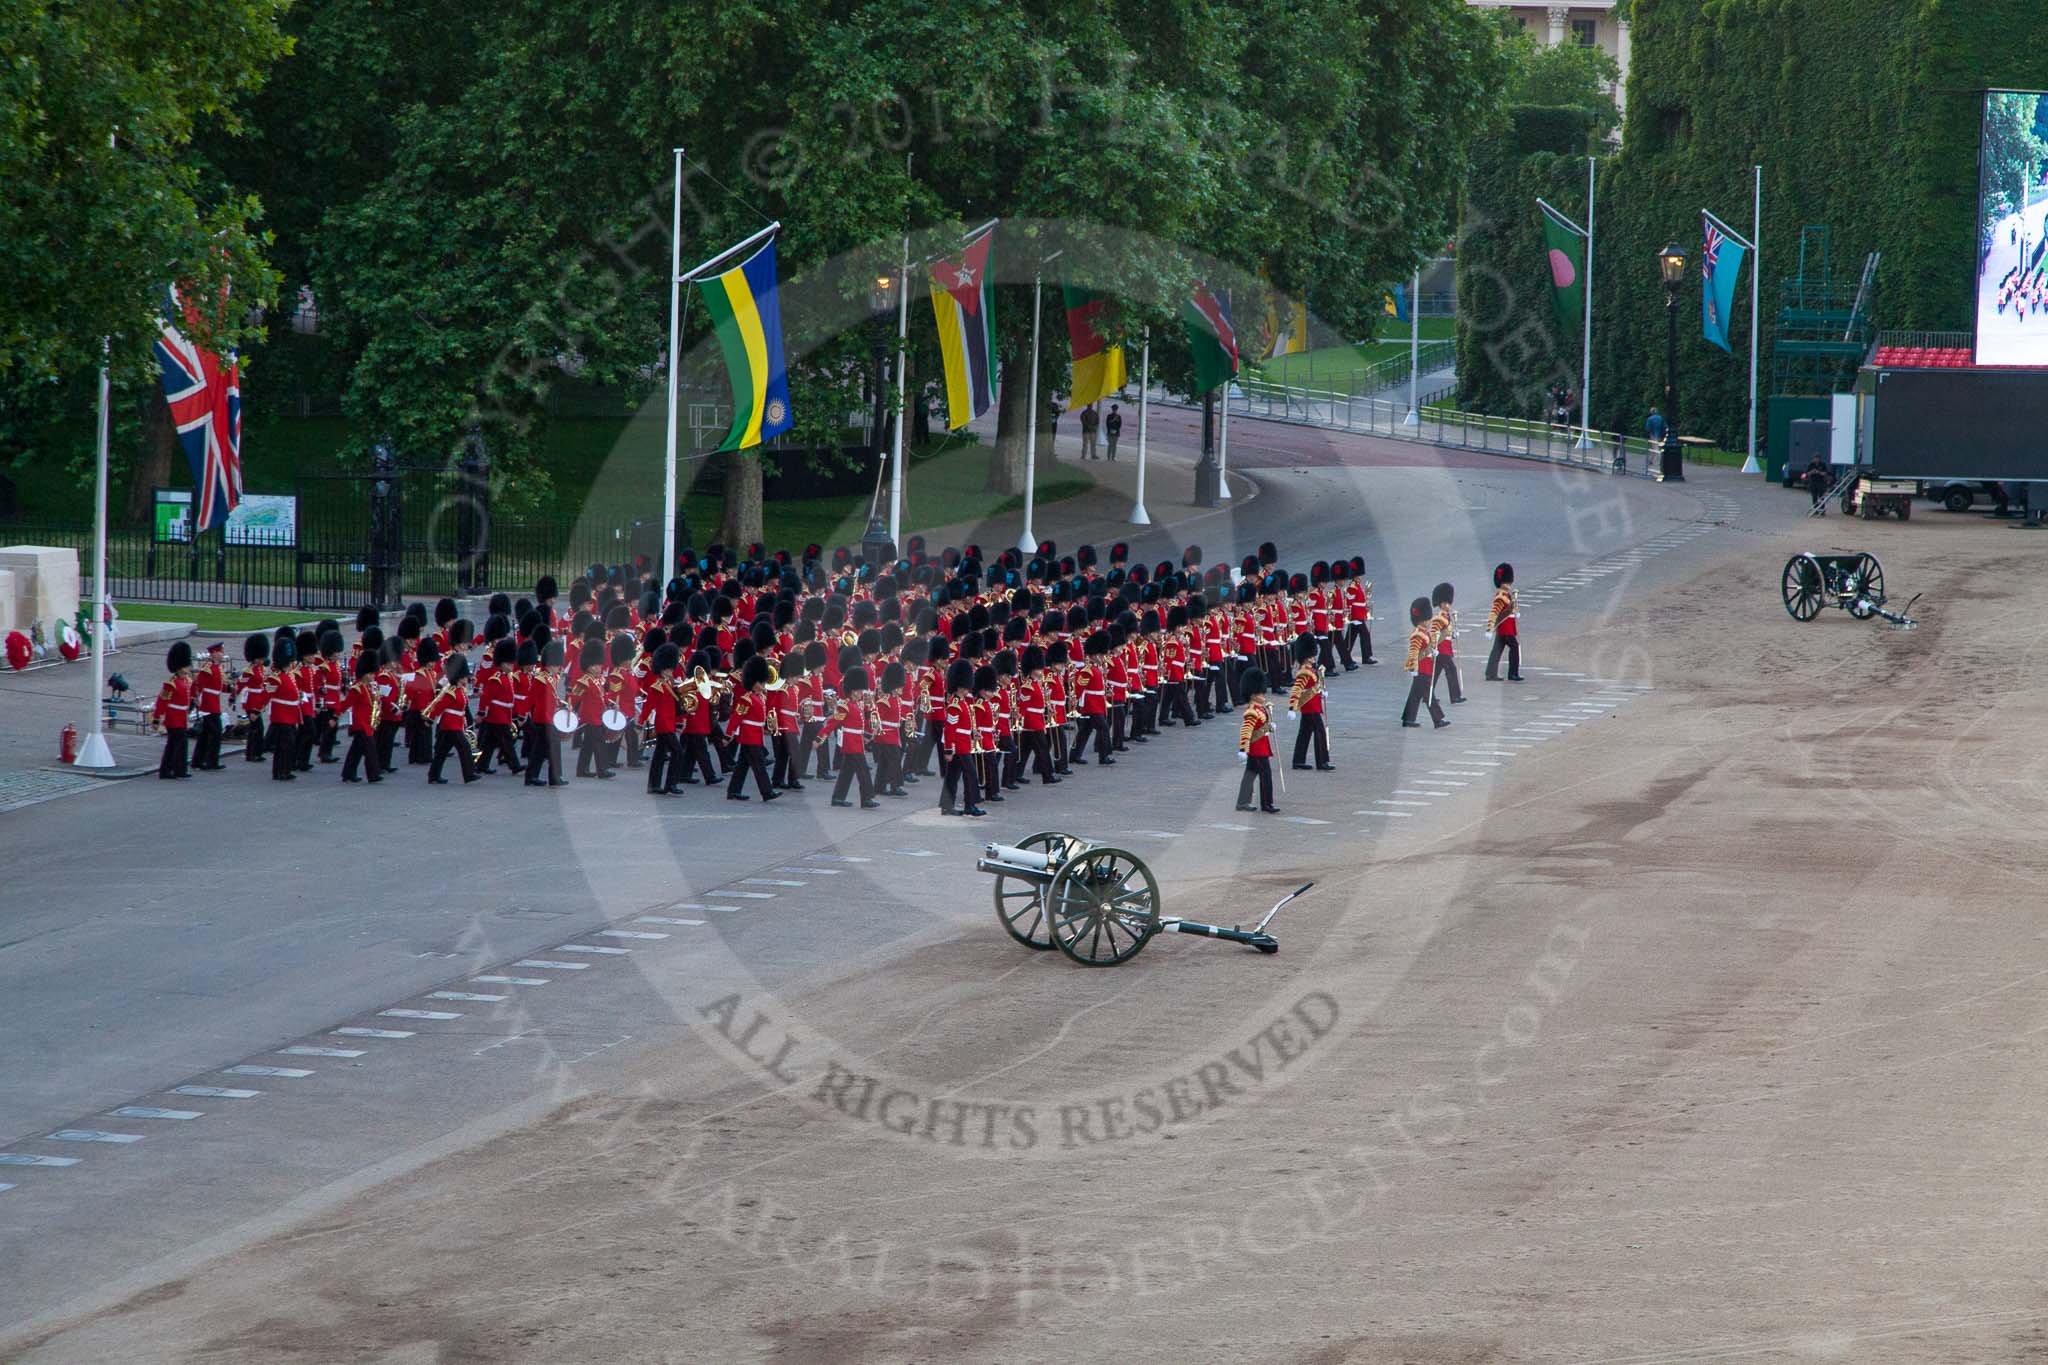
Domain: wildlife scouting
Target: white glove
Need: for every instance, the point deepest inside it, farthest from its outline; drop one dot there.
(1243, 757)
(1290, 713)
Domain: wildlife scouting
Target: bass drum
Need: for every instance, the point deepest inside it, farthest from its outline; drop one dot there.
(565, 721)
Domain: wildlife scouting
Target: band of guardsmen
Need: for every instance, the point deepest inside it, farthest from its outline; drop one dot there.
(777, 671)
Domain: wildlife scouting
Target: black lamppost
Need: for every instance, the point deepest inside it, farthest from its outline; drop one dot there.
(1671, 265)
(876, 547)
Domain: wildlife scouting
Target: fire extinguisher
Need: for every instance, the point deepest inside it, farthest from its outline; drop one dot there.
(67, 747)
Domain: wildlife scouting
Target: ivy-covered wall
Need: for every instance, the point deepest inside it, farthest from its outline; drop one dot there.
(1864, 116)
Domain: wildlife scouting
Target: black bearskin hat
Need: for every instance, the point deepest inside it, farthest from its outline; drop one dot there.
(365, 618)
(1085, 556)
(1250, 683)
(1418, 610)
(1304, 648)
(528, 655)
(1034, 658)
(1268, 553)
(621, 649)
(985, 678)
(854, 679)
(544, 588)
(960, 676)
(754, 672)
(456, 669)
(1056, 654)
(1319, 572)
(1503, 574)
(179, 656)
(667, 659)
(1119, 553)
(427, 653)
(1298, 583)
(892, 676)
(366, 663)
(1339, 571)
(501, 604)
(591, 655)
(373, 640)
(445, 611)
(1442, 595)
(256, 649)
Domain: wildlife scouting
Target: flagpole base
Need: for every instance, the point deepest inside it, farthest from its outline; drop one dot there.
(1750, 466)
(94, 753)
(1582, 443)
(1027, 543)
(1413, 419)
(1140, 517)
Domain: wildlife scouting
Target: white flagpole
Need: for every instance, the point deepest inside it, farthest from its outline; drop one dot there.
(1414, 418)
(675, 367)
(1028, 541)
(1756, 269)
(1139, 516)
(1586, 357)
(94, 753)
(902, 358)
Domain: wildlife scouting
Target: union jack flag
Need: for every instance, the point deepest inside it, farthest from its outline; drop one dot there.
(205, 398)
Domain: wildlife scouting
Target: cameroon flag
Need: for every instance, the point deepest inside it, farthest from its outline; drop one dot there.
(1098, 366)
(964, 302)
(746, 317)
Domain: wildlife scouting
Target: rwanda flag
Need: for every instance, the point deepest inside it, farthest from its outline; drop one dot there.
(964, 302)
(1098, 366)
(1211, 338)
(1721, 269)
(1565, 245)
(746, 316)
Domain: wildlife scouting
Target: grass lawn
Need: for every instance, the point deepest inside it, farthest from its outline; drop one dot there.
(216, 620)
(1346, 369)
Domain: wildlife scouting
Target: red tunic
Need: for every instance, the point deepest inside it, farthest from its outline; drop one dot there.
(174, 704)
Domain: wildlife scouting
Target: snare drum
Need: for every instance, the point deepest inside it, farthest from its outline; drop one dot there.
(613, 719)
(565, 721)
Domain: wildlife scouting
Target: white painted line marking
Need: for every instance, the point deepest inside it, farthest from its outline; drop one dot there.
(724, 909)
(1408, 791)
(465, 995)
(1384, 802)
(290, 1072)
(4, 1188)
(1390, 814)
(216, 1092)
(745, 895)
(849, 858)
(558, 966)
(592, 948)
(769, 881)
(836, 871)
(1302, 820)
(1481, 763)
(92, 1135)
(1441, 783)
(322, 1052)
(1497, 753)
(18, 1159)
(143, 1111)
(1155, 833)
(631, 933)
(418, 1014)
(1455, 772)
(372, 1033)
(663, 919)
(508, 980)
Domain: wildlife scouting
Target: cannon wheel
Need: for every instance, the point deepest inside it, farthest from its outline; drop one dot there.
(1864, 587)
(1104, 906)
(1805, 587)
(1020, 904)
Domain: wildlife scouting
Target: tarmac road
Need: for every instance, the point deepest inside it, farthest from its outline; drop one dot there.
(1629, 1018)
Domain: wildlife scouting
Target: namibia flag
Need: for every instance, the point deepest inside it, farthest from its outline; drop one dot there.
(964, 302)
(747, 319)
(1211, 338)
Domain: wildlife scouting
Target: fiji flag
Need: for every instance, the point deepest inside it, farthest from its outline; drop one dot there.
(205, 398)
(1720, 272)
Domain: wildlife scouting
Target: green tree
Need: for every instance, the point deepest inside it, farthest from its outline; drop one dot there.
(103, 201)
(1566, 76)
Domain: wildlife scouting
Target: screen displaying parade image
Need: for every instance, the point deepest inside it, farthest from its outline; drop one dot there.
(2012, 200)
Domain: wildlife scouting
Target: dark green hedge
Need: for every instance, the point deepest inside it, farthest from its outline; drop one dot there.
(1864, 115)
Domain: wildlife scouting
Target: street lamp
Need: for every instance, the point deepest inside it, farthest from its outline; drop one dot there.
(876, 547)
(1671, 266)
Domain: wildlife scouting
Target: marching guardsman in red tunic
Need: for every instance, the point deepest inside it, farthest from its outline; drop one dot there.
(390, 700)
(1444, 625)
(1034, 708)
(1093, 685)
(854, 721)
(1305, 699)
(892, 708)
(173, 712)
(328, 720)
(496, 702)
(1359, 599)
(359, 708)
(586, 695)
(1421, 666)
(790, 704)
(1255, 742)
(420, 682)
(1503, 624)
(956, 722)
(751, 724)
(541, 704)
(254, 694)
(448, 711)
(209, 693)
(661, 706)
(284, 695)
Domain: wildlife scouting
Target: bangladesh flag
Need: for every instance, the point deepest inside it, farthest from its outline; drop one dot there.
(1211, 337)
(1566, 243)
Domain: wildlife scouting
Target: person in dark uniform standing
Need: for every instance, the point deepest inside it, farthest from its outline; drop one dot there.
(1305, 699)
(1112, 428)
(1255, 741)
(209, 691)
(1503, 623)
(173, 712)
(1421, 667)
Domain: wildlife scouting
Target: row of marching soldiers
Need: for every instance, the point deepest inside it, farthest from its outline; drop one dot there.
(760, 667)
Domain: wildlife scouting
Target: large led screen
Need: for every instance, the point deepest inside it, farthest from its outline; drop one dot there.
(2012, 202)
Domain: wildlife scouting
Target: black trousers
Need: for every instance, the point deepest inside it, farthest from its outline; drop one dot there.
(206, 748)
(1175, 700)
(1511, 645)
(697, 756)
(665, 765)
(174, 762)
(1119, 720)
(1312, 727)
(362, 754)
(1448, 677)
(852, 766)
(596, 756)
(284, 741)
(544, 765)
(1098, 726)
(1360, 634)
(253, 751)
(1260, 770)
(959, 772)
(329, 725)
(419, 738)
(780, 775)
(445, 743)
(387, 741)
(633, 759)
(1326, 651)
(1059, 749)
(1036, 747)
(309, 737)
(888, 768)
(753, 758)
(495, 740)
(1420, 690)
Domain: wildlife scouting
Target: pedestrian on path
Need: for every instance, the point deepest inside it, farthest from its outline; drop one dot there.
(1112, 428)
(1817, 485)
(1090, 420)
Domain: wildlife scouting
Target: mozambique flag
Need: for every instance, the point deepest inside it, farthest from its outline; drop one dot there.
(964, 301)
(746, 316)
(1211, 337)
(1098, 366)
(1566, 244)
